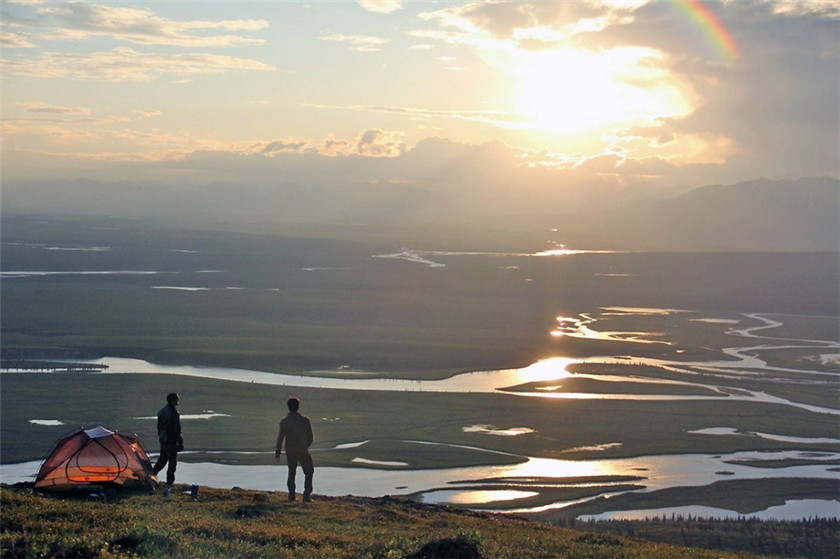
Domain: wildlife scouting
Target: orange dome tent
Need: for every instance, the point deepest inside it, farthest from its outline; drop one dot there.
(95, 456)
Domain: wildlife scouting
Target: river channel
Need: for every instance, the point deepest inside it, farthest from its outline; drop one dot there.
(436, 485)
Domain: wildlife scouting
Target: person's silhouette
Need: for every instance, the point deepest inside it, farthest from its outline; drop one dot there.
(296, 430)
(171, 440)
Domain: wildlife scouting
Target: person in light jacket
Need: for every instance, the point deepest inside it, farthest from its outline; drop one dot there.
(171, 440)
(296, 431)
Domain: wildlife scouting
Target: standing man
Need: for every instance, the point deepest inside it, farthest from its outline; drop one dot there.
(297, 432)
(171, 441)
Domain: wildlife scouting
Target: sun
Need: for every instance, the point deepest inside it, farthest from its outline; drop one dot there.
(567, 92)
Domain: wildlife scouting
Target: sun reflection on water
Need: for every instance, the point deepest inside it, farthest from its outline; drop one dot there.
(553, 368)
(553, 468)
(476, 496)
(580, 327)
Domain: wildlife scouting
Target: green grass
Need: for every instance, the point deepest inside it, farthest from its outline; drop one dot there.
(408, 321)
(808, 538)
(236, 523)
(254, 411)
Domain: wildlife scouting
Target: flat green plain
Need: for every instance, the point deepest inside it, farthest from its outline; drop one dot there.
(298, 301)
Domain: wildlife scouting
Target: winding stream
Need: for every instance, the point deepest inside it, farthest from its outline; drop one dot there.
(659, 471)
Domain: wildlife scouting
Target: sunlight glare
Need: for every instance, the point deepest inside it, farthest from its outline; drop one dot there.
(548, 467)
(569, 91)
(467, 497)
(548, 369)
(476, 497)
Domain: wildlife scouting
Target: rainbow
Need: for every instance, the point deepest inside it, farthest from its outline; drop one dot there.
(717, 33)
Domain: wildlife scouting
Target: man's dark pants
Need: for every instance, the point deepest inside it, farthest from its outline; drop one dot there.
(168, 455)
(305, 460)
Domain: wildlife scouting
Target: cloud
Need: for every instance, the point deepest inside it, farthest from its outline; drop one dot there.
(156, 138)
(495, 118)
(39, 107)
(377, 143)
(361, 43)
(462, 177)
(441, 177)
(285, 146)
(369, 143)
(381, 6)
(125, 64)
(49, 134)
(527, 24)
(827, 8)
(15, 40)
(779, 105)
(678, 148)
(497, 19)
(142, 26)
(773, 112)
(148, 113)
(28, 23)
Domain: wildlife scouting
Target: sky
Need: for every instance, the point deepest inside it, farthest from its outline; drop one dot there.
(652, 96)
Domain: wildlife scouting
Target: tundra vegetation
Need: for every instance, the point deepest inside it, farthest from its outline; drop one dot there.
(319, 301)
(238, 523)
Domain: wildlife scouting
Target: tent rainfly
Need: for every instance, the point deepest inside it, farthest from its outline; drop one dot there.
(95, 456)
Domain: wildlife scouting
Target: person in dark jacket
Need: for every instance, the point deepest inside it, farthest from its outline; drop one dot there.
(171, 441)
(296, 430)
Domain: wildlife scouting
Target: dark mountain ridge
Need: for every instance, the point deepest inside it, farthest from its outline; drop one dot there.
(758, 215)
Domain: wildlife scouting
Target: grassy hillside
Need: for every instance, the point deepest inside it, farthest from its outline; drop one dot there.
(239, 523)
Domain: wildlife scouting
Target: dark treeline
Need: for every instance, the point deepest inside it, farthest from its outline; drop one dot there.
(47, 360)
(812, 537)
(51, 366)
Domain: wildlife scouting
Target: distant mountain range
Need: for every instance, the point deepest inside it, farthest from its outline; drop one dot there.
(759, 215)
